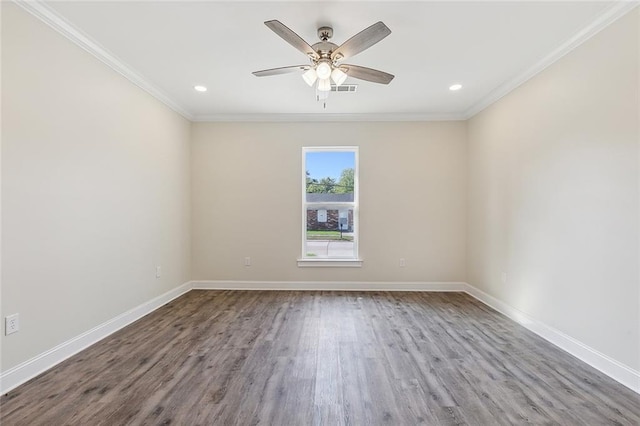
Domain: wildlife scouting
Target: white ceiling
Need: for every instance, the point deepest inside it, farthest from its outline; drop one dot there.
(168, 47)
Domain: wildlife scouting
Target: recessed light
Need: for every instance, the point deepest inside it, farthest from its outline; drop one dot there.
(455, 87)
(200, 88)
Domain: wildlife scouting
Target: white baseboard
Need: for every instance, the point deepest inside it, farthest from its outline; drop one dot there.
(21, 373)
(609, 366)
(329, 285)
(612, 368)
(29, 369)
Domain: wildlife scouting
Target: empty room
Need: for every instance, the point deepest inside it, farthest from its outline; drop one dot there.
(320, 213)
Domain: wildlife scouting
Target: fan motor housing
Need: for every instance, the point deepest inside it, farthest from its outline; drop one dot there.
(324, 48)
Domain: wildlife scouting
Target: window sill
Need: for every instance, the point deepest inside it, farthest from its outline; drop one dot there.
(329, 263)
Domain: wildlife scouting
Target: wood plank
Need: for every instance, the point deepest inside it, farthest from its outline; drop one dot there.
(339, 358)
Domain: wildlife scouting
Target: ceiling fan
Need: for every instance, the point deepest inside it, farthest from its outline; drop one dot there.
(325, 57)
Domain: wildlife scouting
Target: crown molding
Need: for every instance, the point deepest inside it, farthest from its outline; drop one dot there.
(616, 11)
(50, 17)
(314, 117)
(44, 13)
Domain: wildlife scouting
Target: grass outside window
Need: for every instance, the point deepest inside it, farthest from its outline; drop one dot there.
(328, 236)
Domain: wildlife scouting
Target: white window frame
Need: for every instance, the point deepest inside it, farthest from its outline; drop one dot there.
(355, 261)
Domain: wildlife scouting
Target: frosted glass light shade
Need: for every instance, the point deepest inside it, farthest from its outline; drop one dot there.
(310, 76)
(338, 76)
(324, 85)
(323, 70)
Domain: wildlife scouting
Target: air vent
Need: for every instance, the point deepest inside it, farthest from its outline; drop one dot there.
(344, 88)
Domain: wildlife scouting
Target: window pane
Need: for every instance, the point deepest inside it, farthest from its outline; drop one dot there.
(330, 211)
(330, 172)
(329, 232)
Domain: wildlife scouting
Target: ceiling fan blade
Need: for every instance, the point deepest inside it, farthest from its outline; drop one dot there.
(281, 70)
(361, 41)
(367, 74)
(292, 38)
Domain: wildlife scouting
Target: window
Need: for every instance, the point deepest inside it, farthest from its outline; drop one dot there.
(329, 206)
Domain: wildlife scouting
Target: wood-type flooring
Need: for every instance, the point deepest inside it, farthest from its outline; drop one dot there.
(321, 358)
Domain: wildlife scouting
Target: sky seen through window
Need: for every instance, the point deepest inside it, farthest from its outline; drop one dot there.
(329, 164)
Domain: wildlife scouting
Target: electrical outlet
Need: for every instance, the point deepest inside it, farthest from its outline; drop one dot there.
(11, 324)
(402, 263)
(247, 261)
(158, 271)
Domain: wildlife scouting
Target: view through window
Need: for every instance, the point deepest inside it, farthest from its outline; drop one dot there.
(330, 214)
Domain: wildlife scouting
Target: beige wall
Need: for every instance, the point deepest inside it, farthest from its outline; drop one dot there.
(101, 183)
(95, 190)
(246, 192)
(554, 192)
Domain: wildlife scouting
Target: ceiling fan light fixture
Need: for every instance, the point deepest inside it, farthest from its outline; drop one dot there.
(338, 76)
(325, 56)
(310, 76)
(323, 70)
(324, 85)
